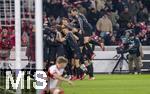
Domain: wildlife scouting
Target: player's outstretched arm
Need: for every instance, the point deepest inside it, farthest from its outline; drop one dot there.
(63, 79)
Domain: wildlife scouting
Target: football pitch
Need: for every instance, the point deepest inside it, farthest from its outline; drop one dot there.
(110, 84)
(103, 84)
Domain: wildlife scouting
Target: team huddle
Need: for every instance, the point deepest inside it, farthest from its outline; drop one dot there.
(71, 49)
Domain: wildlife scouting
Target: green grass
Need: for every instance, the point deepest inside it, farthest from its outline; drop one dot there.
(111, 84)
(103, 84)
(12, 91)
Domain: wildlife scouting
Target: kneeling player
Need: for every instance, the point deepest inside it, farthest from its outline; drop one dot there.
(55, 73)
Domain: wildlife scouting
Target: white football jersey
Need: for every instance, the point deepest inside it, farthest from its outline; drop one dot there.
(53, 81)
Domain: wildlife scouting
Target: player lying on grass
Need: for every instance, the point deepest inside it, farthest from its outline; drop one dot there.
(55, 76)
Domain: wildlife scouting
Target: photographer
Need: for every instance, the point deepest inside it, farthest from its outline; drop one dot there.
(135, 54)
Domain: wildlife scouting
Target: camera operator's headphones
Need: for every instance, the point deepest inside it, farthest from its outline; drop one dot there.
(131, 35)
(131, 32)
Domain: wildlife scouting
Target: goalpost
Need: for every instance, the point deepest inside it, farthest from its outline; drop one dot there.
(18, 40)
(39, 33)
(39, 36)
(38, 39)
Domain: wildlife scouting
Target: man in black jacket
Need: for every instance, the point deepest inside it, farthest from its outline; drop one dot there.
(135, 54)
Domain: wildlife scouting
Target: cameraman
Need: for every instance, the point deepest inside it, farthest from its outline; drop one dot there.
(135, 54)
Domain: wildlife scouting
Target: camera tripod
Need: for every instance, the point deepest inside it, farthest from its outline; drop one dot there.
(120, 62)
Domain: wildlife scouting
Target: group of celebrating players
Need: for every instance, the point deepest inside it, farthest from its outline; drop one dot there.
(69, 47)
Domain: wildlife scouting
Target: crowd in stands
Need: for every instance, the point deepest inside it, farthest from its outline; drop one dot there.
(121, 15)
